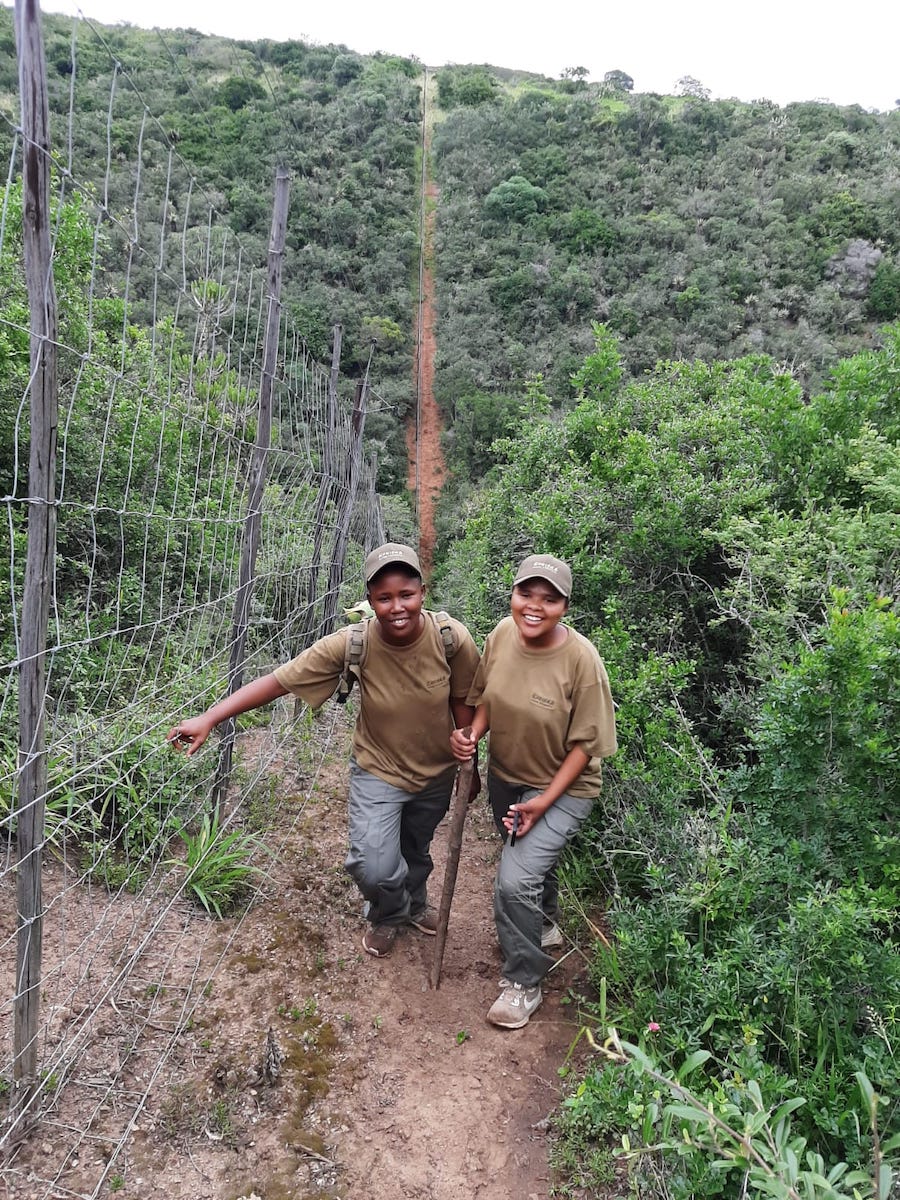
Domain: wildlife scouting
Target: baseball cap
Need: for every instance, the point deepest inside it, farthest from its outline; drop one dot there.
(545, 566)
(391, 554)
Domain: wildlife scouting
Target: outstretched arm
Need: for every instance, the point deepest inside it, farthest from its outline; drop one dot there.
(190, 735)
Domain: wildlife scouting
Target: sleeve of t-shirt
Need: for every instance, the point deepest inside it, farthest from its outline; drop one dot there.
(464, 663)
(592, 724)
(313, 675)
(479, 681)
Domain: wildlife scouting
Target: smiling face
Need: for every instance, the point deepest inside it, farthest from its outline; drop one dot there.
(537, 609)
(397, 596)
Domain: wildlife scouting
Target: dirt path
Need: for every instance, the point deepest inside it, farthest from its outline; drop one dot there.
(423, 436)
(377, 1088)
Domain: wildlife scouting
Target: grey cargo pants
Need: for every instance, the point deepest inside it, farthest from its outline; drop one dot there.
(525, 889)
(390, 836)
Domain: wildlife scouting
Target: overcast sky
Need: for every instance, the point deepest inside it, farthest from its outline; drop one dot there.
(783, 50)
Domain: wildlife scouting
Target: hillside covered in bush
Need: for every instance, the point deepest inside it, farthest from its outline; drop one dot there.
(227, 113)
(668, 352)
(695, 228)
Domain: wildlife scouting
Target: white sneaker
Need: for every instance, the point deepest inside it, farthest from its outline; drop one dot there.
(513, 1007)
(551, 935)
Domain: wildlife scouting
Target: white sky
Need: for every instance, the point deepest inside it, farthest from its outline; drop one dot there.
(781, 49)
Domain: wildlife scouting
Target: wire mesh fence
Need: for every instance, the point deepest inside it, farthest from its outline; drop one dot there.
(159, 348)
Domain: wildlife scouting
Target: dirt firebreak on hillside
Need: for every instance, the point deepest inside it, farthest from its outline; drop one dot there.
(426, 457)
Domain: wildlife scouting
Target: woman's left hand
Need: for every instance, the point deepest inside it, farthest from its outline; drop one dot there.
(530, 812)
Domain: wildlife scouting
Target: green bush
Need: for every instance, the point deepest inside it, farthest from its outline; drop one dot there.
(466, 87)
(733, 545)
(692, 1127)
(884, 292)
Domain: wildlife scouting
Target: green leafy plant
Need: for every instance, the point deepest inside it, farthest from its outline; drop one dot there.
(65, 813)
(691, 1132)
(219, 1123)
(219, 871)
(300, 1012)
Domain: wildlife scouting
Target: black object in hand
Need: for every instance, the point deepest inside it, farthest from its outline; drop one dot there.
(515, 827)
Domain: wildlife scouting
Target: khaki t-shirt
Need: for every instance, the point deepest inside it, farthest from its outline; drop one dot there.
(402, 732)
(542, 704)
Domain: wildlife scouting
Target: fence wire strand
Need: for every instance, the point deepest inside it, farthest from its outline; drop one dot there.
(162, 320)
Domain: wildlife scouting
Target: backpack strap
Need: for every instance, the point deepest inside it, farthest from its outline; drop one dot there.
(355, 642)
(445, 629)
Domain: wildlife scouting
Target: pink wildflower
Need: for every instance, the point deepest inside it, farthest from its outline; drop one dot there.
(652, 1027)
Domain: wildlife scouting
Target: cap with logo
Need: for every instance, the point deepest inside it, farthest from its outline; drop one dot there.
(546, 567)
(391, 554)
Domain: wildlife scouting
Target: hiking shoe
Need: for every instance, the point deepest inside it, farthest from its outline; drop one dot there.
(513, 1007)
(425, 920)
(551, 935)
(378, 940)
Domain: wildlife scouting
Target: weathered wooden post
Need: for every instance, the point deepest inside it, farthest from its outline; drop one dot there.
(328, 473)
(375, 518)
(339, 550)
(31, 779)
(257, 485)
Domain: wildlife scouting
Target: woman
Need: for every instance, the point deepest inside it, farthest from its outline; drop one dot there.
(401, 773)
(542, 691)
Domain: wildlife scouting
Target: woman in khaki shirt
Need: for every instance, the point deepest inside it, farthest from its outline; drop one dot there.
(542, 692)
(401, 769)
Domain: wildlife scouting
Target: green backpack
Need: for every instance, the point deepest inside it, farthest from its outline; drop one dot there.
(356, 643)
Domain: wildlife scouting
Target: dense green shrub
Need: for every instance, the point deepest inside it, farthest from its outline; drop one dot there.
(466, 87)
(734, 546)
(884, 292)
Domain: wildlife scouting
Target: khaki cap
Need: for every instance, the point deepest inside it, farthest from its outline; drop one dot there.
(546, 567)
(389, 555)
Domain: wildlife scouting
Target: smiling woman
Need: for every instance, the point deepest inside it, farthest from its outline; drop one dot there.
(542, 691)
(536, 608)
(401, 769)
(397, 594)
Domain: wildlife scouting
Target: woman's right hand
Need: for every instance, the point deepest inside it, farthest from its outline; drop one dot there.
(463, 744)
(190, 735)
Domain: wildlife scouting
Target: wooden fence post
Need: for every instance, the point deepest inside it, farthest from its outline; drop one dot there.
(257, 485)
(328, 473)
(339, 550)
(40, 565)
(374, 515)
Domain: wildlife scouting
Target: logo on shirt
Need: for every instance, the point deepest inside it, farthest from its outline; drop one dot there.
(431, 684)
(542, 701)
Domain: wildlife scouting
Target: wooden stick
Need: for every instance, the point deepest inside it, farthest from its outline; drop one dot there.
(459, 805)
